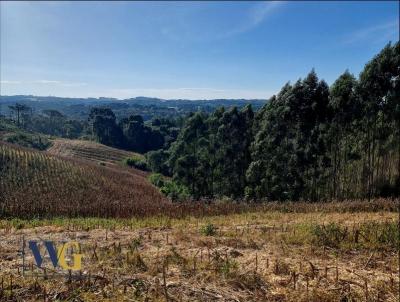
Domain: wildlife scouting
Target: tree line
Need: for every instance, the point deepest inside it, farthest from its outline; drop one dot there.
(132, 133)
(309, 142)
(49, 121)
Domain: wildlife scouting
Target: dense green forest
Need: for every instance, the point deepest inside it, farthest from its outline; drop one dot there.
(139, 124)
(132, 133)
(308, 142)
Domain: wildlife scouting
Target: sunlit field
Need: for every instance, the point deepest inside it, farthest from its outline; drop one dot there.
(290, 254)
(199, 151)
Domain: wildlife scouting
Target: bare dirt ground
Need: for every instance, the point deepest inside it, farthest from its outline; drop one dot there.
(246, 257)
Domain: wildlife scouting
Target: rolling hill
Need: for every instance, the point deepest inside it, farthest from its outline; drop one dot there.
(88, 150)
(35, 183)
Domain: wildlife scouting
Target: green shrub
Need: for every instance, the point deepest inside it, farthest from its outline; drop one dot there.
(384, 235)
(175, 191)
(369, 235)
(330, 235)
(208, 230)
(171, 189)
(28, 140)
(229, 268)
(157, 180)
(136, 162)
(157, 161)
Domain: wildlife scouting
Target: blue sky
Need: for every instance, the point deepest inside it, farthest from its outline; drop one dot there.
(191, 50)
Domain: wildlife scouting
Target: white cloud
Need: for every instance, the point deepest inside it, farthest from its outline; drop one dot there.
(200, 89)
(77, 84)
(61, 83)
(257, 15)
(376, 33)
(46, 82)
(39, 85)
(10, 82)
(247, 20)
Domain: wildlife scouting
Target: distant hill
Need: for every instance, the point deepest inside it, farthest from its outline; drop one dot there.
(141, 100)
(78, 108)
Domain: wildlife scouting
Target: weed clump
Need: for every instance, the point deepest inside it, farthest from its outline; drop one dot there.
(136, 162)
(369, 235)
(208, 230)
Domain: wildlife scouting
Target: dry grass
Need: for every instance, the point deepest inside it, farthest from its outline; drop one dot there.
(36, 184)
(267, 256)
(91, 151)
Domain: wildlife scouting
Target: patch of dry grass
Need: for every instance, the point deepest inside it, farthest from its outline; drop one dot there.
(36, 184)
(91, 151)
(250, 257)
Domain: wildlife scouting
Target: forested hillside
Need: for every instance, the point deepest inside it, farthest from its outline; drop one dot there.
(310, 141)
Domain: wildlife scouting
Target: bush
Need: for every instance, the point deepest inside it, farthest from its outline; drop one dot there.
(28, 140)
(369, 235)
(330, 235)
(175, 191)
(157, 180)
(384, 235)
(137, 163)
(157, 161)
(171, 189)
(208, 230)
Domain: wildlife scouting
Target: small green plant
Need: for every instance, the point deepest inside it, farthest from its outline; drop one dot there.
(157, 180)
(381, 235)
(229, 267)
(208, 230)
(136, 261)
(136, 162)
(175, 258)
(330, 235)
(367, 235)
(139, 287)
(136, 243)
(175, 191)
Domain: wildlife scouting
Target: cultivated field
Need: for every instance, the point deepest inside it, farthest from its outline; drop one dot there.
(313, 255)
(89, 151)
(37, 184)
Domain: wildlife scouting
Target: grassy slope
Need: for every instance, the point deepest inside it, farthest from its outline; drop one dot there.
(36, 183)
(9, 132)
(88, 150)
